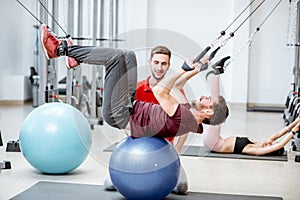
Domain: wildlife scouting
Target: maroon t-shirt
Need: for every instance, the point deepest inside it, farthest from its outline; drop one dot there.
(149, 119)
(144, 93)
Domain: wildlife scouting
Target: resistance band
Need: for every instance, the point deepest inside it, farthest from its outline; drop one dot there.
(219, 67)
(186, 67)
(35, 17)
(224, 42)
(222, 33)
(248, 42)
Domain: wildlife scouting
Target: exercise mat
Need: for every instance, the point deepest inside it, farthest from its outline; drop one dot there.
(75, 191)
(201, 151)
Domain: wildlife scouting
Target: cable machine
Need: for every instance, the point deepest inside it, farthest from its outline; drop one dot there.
(83, 94)
(292, 104)
(79, 92)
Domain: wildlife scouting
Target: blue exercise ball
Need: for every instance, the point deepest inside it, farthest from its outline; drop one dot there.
(144, 168)
(55, 138)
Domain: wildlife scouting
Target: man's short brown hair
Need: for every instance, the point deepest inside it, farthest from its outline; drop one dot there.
(221, 111)
(160, 50)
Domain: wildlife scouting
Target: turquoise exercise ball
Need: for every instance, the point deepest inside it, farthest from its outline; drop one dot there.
(55, 138)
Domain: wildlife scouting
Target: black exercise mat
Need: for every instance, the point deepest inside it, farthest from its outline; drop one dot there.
(201, 151)
(71, 191)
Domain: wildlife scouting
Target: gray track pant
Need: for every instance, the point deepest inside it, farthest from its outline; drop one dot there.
(120, 79)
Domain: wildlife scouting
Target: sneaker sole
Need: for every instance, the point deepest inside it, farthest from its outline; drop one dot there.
(44, 48)
(67, 62)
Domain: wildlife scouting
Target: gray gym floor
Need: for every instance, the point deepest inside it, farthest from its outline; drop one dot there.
(216, 175)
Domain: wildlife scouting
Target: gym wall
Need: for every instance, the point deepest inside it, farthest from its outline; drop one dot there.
(261, 74)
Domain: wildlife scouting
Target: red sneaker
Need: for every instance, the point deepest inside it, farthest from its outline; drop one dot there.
(71, 62)
(50, 42)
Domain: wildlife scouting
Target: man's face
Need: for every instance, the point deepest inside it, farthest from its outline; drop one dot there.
(204, 106)
(159, 64)
(206, 102)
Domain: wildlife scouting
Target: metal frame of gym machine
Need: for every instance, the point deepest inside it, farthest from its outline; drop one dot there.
(88, 102)
(75, 94)
(292, 104)
(46, 80)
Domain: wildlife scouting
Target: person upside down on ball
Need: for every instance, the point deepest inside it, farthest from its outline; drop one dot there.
(174, 116)
(158, 63)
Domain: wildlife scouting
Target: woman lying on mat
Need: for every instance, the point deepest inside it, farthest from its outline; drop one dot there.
(243, 145)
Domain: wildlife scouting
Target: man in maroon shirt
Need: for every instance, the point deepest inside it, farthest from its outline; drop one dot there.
(174, 116)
